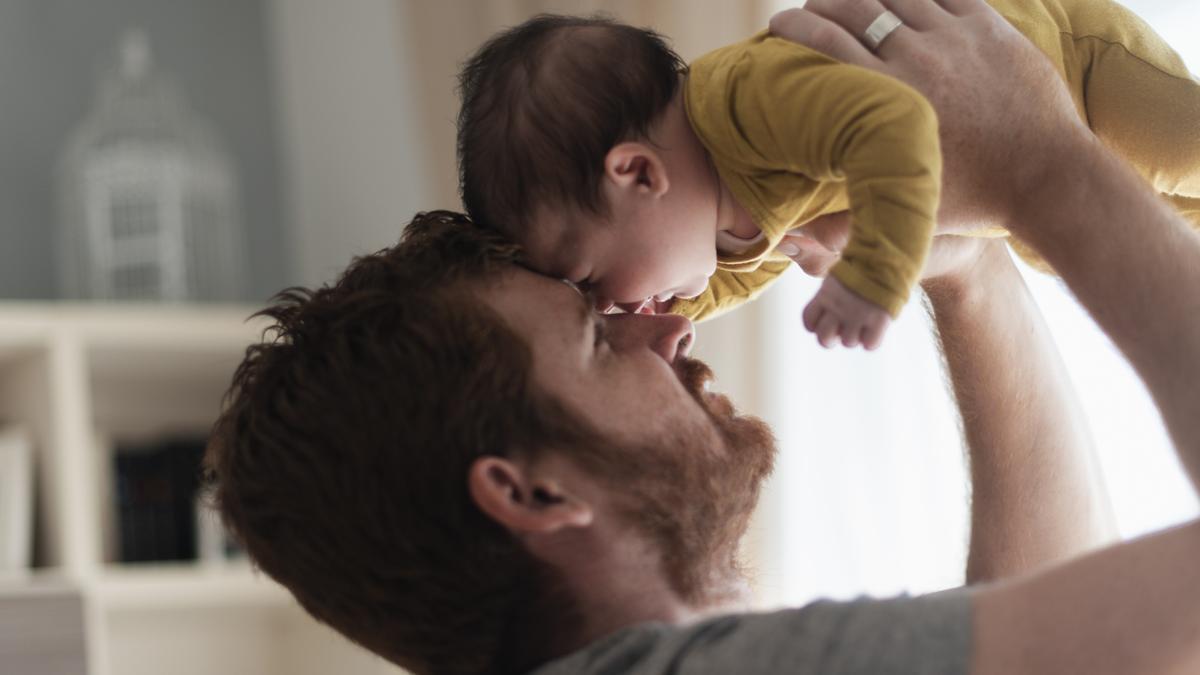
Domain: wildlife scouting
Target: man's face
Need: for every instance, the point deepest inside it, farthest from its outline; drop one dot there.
(687, 469)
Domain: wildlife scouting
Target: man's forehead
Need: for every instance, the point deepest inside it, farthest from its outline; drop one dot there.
(523, 295)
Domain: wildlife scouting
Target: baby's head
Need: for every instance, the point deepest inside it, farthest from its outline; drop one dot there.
(572, 139)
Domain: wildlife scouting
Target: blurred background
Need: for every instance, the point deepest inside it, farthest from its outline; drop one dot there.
(167, 165)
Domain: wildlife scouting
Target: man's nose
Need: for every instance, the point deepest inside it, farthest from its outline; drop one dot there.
(669, 335)
(676, 336)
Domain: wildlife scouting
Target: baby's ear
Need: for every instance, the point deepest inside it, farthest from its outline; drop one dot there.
(637, 166)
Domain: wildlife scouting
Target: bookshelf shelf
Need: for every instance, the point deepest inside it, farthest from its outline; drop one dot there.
(138, 587)
(84, 380)
(31, 582)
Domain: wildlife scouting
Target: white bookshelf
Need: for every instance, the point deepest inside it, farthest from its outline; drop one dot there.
(79, 378)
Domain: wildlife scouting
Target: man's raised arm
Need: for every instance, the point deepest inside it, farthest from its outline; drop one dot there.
(1037, 494)
(1017, 155)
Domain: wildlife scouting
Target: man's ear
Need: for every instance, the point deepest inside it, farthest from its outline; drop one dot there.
(516, 497)
(633, 165)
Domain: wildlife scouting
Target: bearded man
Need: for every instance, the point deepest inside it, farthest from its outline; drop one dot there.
(459, 465)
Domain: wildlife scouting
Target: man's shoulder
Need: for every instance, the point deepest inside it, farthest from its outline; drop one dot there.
(926, 634)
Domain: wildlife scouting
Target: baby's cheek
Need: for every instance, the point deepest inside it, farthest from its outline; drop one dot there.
(623, 289)
(693, 288)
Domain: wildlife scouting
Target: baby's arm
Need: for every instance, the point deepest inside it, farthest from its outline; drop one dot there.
(836, 313)
(796, 111)
(728, 290)
(882, 139)
(887, 149)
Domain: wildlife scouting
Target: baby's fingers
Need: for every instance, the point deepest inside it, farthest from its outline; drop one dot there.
(828, 328)
(812, 314)
(872, 333)
(851, 336)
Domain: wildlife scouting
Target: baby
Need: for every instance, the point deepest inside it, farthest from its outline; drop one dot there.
(657, 185)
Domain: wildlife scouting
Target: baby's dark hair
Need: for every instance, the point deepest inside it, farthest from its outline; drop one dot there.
(544, 102)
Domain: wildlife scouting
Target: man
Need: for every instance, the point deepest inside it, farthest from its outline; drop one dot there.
(455, 463)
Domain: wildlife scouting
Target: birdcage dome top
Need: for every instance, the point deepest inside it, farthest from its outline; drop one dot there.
(138, 104)
(148, 197)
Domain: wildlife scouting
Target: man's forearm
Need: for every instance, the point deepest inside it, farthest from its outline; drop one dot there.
(1135, 265)
(1037, 496)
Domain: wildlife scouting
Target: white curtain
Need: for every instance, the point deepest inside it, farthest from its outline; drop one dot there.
(870, 493)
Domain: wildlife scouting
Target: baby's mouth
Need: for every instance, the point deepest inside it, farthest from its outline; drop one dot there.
(647, 307)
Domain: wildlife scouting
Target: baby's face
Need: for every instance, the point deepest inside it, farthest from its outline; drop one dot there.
(629, 259)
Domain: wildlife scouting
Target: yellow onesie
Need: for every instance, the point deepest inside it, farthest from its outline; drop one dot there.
(796, 135)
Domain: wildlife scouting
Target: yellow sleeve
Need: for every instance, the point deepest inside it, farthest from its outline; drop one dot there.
(726, 290)
(768, 105)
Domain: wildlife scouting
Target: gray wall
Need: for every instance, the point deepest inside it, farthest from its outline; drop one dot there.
(356, 151)
(50, 54)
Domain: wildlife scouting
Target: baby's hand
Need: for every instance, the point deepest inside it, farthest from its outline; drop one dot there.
(838, 313)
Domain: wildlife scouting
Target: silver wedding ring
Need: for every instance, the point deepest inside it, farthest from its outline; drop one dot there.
(880, 28)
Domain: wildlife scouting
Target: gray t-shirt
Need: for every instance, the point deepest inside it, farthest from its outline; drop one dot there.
(926, 635)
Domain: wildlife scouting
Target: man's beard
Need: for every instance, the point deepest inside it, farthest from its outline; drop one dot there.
(691, 492)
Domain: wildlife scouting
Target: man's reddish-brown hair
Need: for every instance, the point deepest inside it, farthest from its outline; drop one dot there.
(341, 455)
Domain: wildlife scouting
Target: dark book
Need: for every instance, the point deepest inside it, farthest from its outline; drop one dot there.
(156, 487)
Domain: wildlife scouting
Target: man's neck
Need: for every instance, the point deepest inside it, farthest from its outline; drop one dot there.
(616, 581)
(618, 585)
(610, 580)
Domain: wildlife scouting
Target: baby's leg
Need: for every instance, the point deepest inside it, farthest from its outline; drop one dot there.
(1140, 98)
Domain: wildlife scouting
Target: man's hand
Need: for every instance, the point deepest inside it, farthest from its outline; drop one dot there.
(970, 63)
(817, 247)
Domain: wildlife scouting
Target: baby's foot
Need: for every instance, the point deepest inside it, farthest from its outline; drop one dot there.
(837, 313)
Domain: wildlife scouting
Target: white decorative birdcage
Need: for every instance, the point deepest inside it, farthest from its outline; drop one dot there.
(148, 194)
